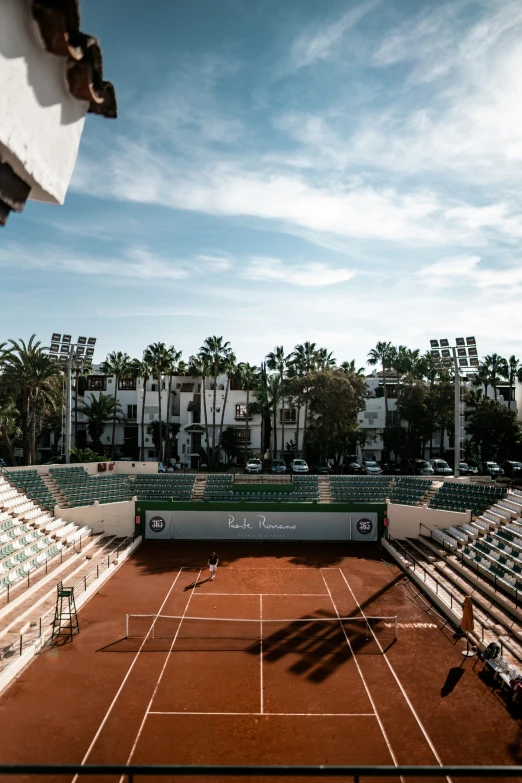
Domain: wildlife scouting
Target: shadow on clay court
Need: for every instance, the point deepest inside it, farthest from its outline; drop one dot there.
(452, 680)
(193, 585)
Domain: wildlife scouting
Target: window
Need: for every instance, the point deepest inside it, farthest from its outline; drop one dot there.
(132, 412)
(242, 435)
(196, 416)
(151, 454)
(196, 441)
(97, 383)
(392, 419)
(241, 410)
(290, 415)
(127, 384)
(371, 416)
(507, 393)
(392, 391)
(218, 410)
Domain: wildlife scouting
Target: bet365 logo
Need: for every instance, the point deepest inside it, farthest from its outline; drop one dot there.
(157, 524)
(364, 526)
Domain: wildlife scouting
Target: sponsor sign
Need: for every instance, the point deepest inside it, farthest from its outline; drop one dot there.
(274, 526)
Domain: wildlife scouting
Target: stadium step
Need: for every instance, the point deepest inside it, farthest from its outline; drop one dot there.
(199, 487)
(448, 591)
(325, 490)
(55, 490)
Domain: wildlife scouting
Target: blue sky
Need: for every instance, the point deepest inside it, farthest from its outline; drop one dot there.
(340, 172)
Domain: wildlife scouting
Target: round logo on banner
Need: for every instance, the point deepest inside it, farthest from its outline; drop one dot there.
(157, 524)
(364, 526)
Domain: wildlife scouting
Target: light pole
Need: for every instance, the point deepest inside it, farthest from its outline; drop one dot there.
(68, 354)
(461, 356)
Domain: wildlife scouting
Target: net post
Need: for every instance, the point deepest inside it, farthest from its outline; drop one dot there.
(126, 626)
(396, 624)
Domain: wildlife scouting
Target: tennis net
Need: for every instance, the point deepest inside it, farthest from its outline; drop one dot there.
(299, 633)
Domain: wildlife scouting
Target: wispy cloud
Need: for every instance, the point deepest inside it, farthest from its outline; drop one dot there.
(315, 275)
(320, 44)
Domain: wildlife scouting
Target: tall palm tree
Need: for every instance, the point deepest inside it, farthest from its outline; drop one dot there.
(497, 368)
(99, 411)
(32, 377)
(350, 368)
(275, 395)
(172, 359)
(514, 373)
(79, 375)
(140, 369)
(304, 361)
(198, 368)
(215, 351)
(324, 359)
(277, 361)
(246, 376)
(382, 354)
(119, 365)
(228, 366)
(156, 356)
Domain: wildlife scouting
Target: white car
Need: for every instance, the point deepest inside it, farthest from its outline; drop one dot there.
(253, 466)
(299, 466)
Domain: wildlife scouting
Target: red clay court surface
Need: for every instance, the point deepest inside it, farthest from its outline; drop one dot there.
(339, 704)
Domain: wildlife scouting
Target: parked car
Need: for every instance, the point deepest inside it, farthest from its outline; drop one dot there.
(161, 468)
(299, 466)
(512, 469)
(322, 469)
(253, 466)
(55, 461)
(125, 459)
(391, 468)
(492, 469)
(422, 467)
(441, 467)
(371, 468)
(464, 469)
(278, 466)
(354, 467)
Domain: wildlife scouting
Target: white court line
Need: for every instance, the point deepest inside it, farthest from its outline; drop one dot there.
(104, 721)
(379, 721)
(138, 735)
(297, 595)
(406, 698)
(279, 714)
(261, 649)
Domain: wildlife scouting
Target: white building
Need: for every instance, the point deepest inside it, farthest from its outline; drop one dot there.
(50, 78)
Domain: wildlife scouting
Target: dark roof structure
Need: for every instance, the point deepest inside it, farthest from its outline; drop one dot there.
(59, 25)
(195, 404)
(187, 387)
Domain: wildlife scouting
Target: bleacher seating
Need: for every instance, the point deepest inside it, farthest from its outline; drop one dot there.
(461, 497)
(360, 489)
(164, 486)
(81, 489)
(409, 490)
(218, 487)
(304, 489)
(31, 483)
(29, 536)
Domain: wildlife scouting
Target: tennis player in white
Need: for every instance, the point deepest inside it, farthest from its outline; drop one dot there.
(213, 564)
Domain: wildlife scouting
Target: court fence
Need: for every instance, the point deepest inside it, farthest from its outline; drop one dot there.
(351, 774)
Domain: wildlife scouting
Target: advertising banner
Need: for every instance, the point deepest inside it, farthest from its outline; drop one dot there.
(266, 525)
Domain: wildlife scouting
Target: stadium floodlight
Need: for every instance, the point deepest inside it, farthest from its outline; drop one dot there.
(435, 354)
(446, 353)
(444, 343)
(473, 362)
(470, 341)
(461, 352)
(460, 341)
(70, 354)
(463, 363)
(472, 352)
(434, 343)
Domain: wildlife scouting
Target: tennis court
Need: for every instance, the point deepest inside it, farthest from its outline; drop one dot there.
(256, 667)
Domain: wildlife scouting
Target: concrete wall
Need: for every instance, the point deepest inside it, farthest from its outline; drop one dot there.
(41, 123)
(115, 519)
(405, 521)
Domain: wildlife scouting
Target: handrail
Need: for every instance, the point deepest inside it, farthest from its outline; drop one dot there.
(355, 773)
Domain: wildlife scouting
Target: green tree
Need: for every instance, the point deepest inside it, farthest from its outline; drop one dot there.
(382, 354)
(415, 407)
(199, 368)
(141, 369)
(172, 360)
(263, 407)
(514, 374)
(443, 406)
(247, 376)
(229, 443)
(99, 411)
(156, 357)
(278, 361)
(496, 368)
(494, 430)
(119, 365)
(215, 353)
(303, 362)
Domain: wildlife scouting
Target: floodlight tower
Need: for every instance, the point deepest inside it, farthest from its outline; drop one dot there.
(462, 355)
(68, 354)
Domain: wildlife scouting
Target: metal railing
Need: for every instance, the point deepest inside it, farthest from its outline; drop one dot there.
(38, 629)
(353, 774)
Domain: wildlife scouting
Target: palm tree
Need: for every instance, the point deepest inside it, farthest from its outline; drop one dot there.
(228, 366)
(156, 356)
(350, 369)
(172, 359)
(496, 367)
(214, 352)
(278, 362)
(140, 369)
(324, 359)
(275, 395)
(304, 360)
(119, 365)
(514, 373)
(382, 354)
(98, 411)
(78, 374)
(32, 377)
(247, 376)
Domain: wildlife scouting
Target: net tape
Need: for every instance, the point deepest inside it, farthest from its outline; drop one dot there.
(148, 626)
